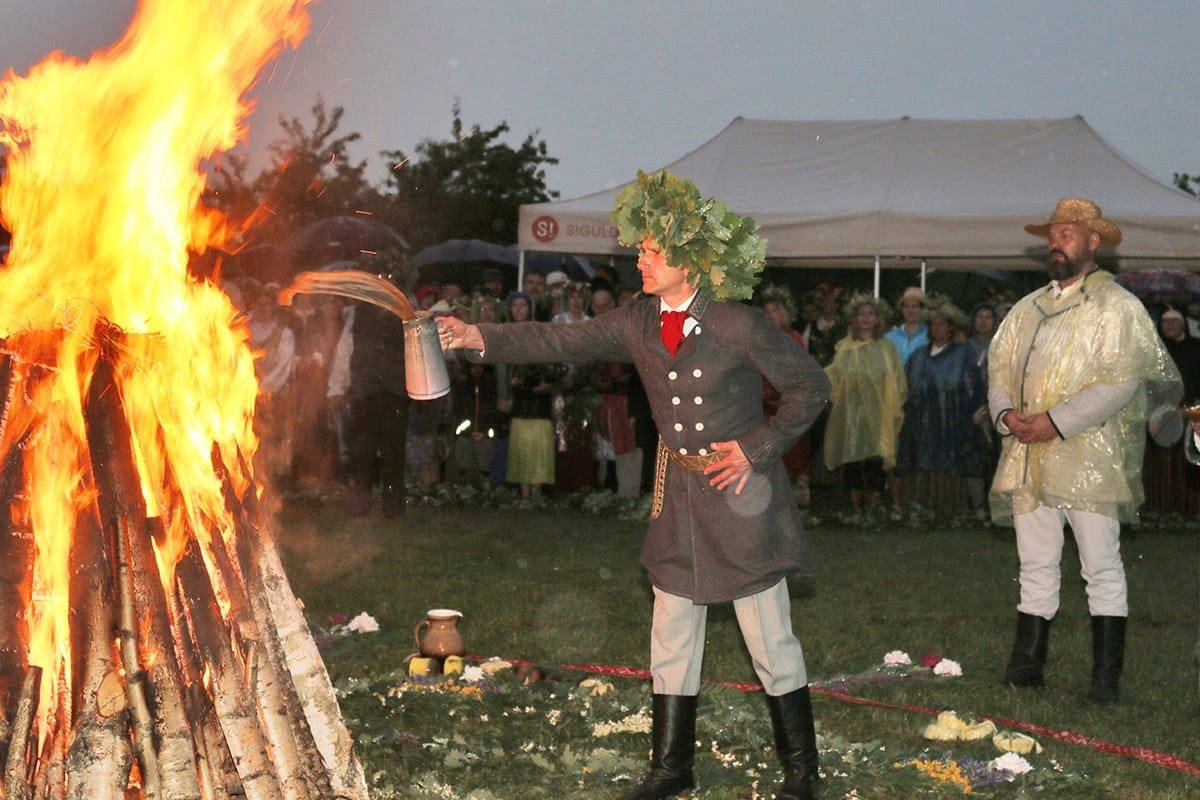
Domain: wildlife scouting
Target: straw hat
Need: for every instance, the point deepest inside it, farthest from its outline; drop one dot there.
(913, 293)
(1078, 211)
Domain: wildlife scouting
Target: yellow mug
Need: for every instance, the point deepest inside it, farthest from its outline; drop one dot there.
(453, 665)
(422, 666)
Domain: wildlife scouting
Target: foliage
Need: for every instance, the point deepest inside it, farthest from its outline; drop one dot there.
(470, 186)
(718, 249)
(1186, 182)
(311, 177)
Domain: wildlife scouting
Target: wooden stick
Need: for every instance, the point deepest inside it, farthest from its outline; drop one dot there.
(23, 733)
(51, 777)
(302, 659)
(308, 672)
(170, 773)
(302, 771)
(135, 676)
(172, 727)
(16, 552)
(232, 697)
(99, 754)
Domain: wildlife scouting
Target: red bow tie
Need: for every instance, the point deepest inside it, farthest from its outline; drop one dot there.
(672, 329)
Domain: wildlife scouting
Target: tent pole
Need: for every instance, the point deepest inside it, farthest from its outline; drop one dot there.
(877, 276)
(924, 264)
(521, 272)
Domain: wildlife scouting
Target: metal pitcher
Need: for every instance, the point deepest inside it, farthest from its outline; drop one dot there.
(425, 375)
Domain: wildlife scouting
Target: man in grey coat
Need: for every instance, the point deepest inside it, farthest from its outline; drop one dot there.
(725, 526)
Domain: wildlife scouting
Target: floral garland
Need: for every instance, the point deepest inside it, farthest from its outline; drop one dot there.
(717, 248)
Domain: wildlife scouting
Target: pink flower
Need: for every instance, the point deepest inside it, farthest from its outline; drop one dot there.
(896, 658)
(930, 660)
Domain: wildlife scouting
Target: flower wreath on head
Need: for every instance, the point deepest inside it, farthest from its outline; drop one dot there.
(779, 295)
(717, 249)
(942, 307)
(882, 308)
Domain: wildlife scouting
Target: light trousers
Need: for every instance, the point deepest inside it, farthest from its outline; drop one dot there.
(1040, 545)
(765, 619)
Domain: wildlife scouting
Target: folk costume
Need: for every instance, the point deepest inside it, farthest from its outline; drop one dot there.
(706, 545)
(1088, 355)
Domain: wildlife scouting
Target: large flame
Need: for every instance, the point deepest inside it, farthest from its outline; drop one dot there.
(104, 178)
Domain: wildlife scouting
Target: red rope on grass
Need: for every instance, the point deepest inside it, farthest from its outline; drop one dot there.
(1070, 737)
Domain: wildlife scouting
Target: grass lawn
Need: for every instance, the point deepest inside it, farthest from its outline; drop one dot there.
(560, 585)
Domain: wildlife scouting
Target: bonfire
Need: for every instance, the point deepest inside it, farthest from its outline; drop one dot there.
(150, 646)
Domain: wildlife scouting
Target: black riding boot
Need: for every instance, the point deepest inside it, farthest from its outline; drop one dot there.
(1108, 658)
(1025, 666)
(674, 735)
(796, 744)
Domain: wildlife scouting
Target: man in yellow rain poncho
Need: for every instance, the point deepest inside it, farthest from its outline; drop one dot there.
(1076, 371)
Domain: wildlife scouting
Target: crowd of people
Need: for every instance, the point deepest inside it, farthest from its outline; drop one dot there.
(1043, 413)
(907, 426)
(334, 416)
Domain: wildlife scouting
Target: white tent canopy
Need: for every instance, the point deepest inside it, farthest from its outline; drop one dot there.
(904, 191)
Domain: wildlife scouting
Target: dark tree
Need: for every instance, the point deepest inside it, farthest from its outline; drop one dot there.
(469, 186)
(311, 177)
(1189, 183)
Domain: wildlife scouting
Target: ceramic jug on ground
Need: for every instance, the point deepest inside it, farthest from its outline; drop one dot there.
(441, 637)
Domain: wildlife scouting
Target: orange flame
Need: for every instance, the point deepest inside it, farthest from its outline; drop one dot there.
(102, 198)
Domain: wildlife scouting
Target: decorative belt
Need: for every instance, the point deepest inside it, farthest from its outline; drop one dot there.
(665, 454)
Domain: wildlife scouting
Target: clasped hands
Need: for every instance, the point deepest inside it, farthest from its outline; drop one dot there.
(1030, 429)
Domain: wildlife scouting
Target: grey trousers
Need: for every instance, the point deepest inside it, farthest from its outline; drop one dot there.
(1040, 545)
(765, 619)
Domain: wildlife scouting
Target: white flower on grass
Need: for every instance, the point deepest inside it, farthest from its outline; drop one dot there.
(948, 668)
(363, 623)
(495, 665)
(472, 674)
(1012, 764)
(897, 658)
(634, 723)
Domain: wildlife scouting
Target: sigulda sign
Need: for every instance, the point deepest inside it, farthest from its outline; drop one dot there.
(546, 229)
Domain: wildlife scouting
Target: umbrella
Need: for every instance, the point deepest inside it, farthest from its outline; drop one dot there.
(344, 238)
(464, 251)
(577, 268)
(1167, 287)
(464, 260)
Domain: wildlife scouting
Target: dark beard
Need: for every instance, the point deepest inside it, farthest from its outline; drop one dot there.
(1065, 269)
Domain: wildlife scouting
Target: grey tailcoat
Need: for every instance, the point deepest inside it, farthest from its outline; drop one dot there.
(707, 545)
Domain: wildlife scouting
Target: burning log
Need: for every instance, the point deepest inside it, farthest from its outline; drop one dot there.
(17, 766)
(189, 671)
(100, 756)
(137, 576)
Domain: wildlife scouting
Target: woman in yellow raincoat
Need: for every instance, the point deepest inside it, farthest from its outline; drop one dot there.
(867, 401)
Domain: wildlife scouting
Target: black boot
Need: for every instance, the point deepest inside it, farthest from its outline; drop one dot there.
(674, 735)
(796, 744)
(1108, 658)
(1025, 666)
